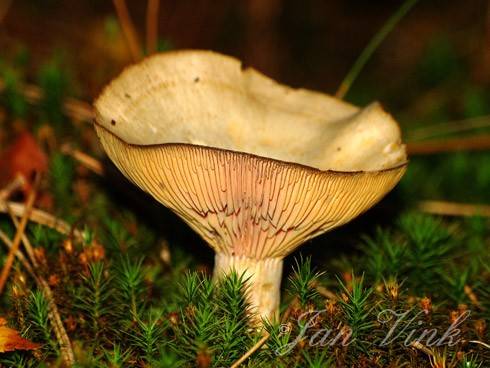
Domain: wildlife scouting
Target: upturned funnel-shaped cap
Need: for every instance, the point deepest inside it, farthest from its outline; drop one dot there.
(255, 167)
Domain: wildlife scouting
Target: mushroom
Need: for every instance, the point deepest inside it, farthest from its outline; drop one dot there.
(254, 167)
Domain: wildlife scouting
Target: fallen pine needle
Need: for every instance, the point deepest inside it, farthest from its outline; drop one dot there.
(454, 209)
(323, 291)
(76, 109)
(475, 143)
(60, 332)
(27, 243)
(128, 29)
(152, 26)
(40, 217)
(419, 346)
(5, 239)
(10, 188)
(86, 160)
(252, 350)
(53, 314)
(480, 343)
(449, 127)
(18, 235)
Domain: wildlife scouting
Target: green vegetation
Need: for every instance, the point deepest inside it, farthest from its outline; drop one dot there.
(135, 288)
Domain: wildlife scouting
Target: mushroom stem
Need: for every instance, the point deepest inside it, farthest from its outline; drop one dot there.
(263, 277)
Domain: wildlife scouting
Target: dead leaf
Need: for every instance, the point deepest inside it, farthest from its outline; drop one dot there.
(10, 339)
(23, 157)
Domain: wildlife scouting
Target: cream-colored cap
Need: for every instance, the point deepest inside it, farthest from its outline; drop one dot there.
(255, 167)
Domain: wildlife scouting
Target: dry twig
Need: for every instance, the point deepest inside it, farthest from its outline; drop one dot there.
(252, 350)
(474, 143)
(454, 209)
(434, 358)
(54, 316)
(25, 240)
(6, 240)
(457, 126)
(60, 332)
(14, 185)
(152, 25)
(76, 109)
(18, 235)
(480, 343)
(323, 291)
(128, 29)
(40, 217)
(86, 160)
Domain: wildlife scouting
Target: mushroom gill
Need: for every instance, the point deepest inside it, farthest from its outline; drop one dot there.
(254, 167)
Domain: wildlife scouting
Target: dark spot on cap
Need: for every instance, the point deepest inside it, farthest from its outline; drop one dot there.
(113, 122)
(339, 149)
(196, 79)
(127, 95)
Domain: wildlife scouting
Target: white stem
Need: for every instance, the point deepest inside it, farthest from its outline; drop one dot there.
(264, 281)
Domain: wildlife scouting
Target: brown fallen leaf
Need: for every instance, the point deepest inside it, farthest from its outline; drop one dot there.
(10, 339)
(24, 157)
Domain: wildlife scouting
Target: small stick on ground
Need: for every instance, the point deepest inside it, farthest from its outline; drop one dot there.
(76, 109)
(14, 185)
(450, 127)
(54, 316)
(128, 29)
(18, 235)
(475, 143)
(417, 345)
(40, 217)
(5, 239)
(59, 330)
(86, 160)
(454, 209)
(252, 350)
(152, 25)
(480, 343)
(323, 291)
(27, 244)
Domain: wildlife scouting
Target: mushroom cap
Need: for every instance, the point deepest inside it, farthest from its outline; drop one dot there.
(255, 167)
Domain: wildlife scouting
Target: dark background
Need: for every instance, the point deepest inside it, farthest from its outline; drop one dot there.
(310, 43)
